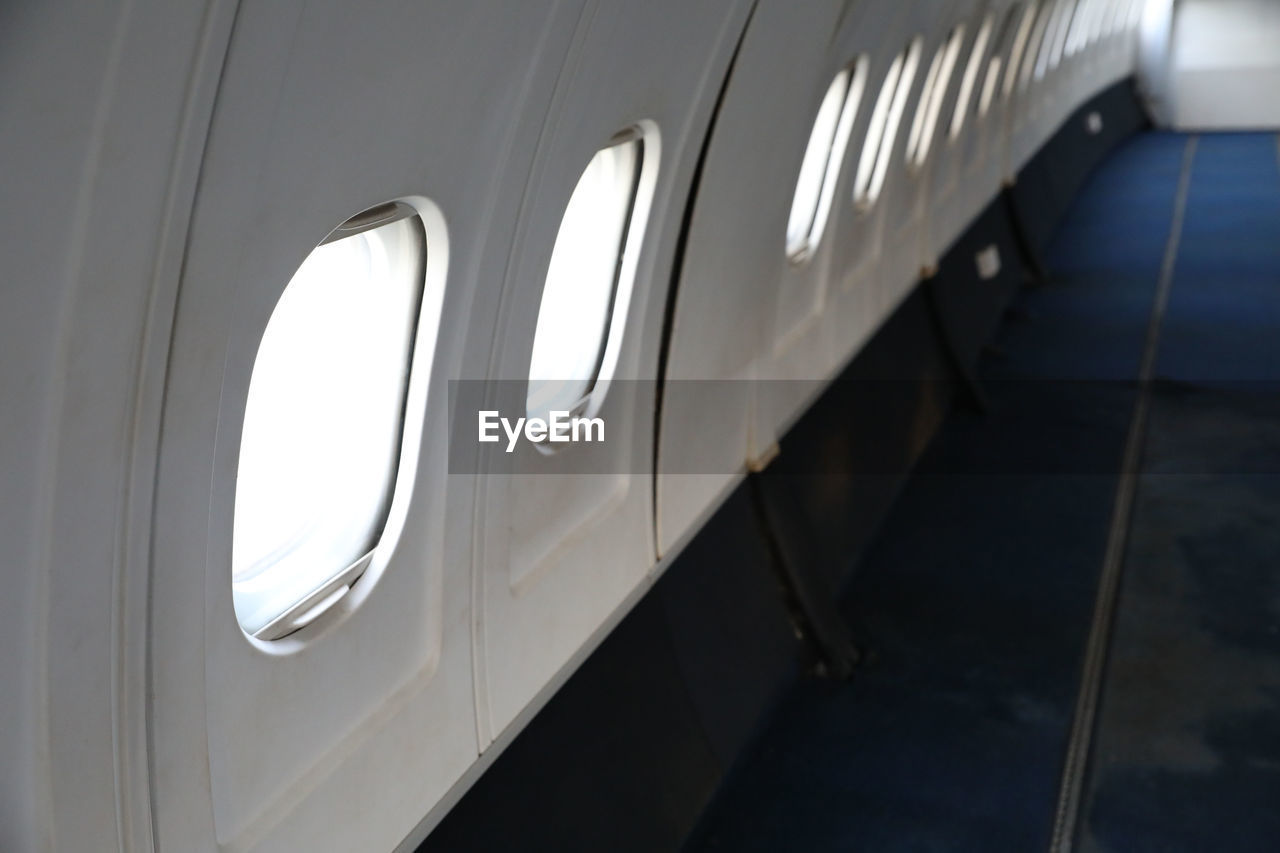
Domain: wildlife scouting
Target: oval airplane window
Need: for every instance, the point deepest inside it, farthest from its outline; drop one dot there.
(324, 420)
(1035, 45)
(581, 294)
(936, 83)
(970, 79)
(1017, 53)
(995, 63)
(1044, 54)
(828, 141)
(882, 131)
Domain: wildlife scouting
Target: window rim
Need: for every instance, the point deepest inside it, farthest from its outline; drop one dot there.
(855, 74)
(312, 606)
(878, 144)
(924, 124)
(978, 54)
(644, 135)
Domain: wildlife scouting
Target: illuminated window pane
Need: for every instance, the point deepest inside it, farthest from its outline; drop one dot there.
(882, 132)
(875, 133)
(926, 99)
(323, 424)
(578, 298)
(1035, 47)
(816, 186)
(1045, 52)
(936, 83)
(1019, 50)
(970, 79)
(1004, 45)
(989, 86)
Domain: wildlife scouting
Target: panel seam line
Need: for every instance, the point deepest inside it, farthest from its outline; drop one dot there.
(1067, 814)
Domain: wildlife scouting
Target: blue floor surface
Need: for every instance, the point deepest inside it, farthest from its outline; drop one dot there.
(1187, 751)
(977, 596)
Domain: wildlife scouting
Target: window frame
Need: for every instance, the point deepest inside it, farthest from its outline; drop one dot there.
(978, 53)
(1035, 46)
(937, 83)
(313, 604)
(989, 92)
(589, 400)
(854, 74)
(1018, 48)
(885, 125)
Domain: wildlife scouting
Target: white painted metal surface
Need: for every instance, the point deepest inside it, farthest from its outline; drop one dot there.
(568, 535)
(782, 329)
